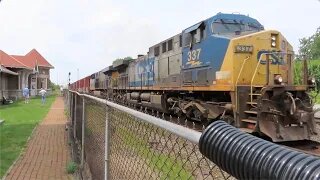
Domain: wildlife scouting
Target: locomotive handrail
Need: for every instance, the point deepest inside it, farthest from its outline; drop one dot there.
(236, 84)
(255, 72)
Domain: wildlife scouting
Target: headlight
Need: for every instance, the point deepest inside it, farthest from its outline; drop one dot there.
(312, 81)
(278, 79)
(274, 38)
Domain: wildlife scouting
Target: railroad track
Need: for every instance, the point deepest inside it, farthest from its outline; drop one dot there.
(306, 146)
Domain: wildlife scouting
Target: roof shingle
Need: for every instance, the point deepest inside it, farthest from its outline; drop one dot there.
(33, 58)
(9, 61)
(36, 57)
(29, 61)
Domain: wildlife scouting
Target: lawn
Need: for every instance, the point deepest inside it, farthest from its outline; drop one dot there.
(20, 120)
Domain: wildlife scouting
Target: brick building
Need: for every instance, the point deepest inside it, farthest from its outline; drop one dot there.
(17, 72)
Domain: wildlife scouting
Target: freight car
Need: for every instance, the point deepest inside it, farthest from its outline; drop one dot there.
(81, 85)
(225, 67)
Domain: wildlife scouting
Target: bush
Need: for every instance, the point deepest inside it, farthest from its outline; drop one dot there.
(313, 70)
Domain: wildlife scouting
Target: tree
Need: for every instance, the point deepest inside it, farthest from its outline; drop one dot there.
(125, 58)
(310, 46)
(54, 86)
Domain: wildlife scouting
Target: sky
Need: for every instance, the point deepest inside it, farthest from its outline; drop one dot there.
(84, 36)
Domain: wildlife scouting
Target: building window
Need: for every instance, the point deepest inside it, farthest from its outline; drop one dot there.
(164, 47)
(170, 44)
(156, 51)
(180, 40)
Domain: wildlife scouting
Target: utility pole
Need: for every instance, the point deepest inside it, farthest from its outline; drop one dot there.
(69, 79)
(77, 78)
(57, 79)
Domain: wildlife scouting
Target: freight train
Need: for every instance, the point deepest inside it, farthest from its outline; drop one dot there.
(225, 67)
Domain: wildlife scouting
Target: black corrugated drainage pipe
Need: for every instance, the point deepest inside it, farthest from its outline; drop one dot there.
(247, 157)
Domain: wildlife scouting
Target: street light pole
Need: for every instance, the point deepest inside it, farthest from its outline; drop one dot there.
(77, 78)
(69, 79)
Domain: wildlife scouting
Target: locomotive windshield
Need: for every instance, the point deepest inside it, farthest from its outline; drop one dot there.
(233, 27)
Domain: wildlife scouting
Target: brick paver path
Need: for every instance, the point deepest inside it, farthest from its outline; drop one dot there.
(47, 152)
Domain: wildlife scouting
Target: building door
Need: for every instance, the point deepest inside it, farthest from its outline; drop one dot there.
(33, 86)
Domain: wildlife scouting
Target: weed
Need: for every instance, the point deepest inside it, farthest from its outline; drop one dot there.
(71, 167)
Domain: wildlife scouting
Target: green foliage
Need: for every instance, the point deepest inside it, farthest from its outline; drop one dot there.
(125, 58)
(310, 46)
(71, 167)
(313, 70)
(54, 86)
(20, 120)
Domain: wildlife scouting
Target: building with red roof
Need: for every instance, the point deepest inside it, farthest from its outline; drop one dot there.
(19, 71)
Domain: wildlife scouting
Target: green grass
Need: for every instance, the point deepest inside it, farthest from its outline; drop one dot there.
(20, 120)
(71, 167)
(164, 163)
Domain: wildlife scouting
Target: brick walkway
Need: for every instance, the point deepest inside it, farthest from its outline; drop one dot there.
(47, 152)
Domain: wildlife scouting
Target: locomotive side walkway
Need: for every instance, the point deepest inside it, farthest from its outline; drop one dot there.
(47, 152)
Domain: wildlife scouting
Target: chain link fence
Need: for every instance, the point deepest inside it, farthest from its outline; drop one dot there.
(109, 143)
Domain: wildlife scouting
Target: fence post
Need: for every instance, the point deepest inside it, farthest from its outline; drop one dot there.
(83, 130)
(107, 146)
(75, 118)
(68, 102)
(71, 107)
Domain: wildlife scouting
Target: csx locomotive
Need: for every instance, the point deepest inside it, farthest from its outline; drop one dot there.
(225, 67)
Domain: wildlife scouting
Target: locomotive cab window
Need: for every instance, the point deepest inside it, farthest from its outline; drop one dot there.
(194, 35)
(156, 51)
(233, 27)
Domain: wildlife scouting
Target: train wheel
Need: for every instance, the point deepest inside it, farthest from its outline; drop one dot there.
(196, 115)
